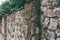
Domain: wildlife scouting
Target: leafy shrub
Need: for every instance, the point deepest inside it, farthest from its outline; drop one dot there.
(11, 6)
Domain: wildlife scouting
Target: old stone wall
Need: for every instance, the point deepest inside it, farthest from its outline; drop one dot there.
(50, 19)
(20, 25)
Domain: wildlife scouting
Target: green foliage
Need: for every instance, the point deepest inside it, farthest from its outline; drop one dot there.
(11, 6)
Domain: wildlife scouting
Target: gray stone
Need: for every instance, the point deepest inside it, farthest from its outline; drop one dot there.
(53, 24)
(58, 38)
(54, 2)
(43, 8)
(44, 3)
(58, 33)
(50, 13)
(43, 38)
(52, 39)
(50, 34)
(45, 23)
(57, 11)
(1, 37)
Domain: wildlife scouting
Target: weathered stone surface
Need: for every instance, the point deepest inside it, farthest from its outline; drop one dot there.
(58, 38)
(20, 25)
(50, 34)
(58, 33)
(43, 39)
(57, 12)
(50, 13)
(52, 39)
(53, 24)
(49, 6)
(51, 19)
(54, 2)
(45, 23)
(1, 37)
(44, 2)
(53, 13)
(43, 8)
(56, 9)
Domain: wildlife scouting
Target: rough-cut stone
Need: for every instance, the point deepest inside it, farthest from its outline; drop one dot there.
(50, 13)
(51, 19)
(45, 23)
(51, 39)
(57, 12)
(44, 2)
(43, 39)
(54, 2)
(53, 24)
(43, 8)
(56, 9)
(58, 38)
(50, 34)
(1, 37)
(58, 33)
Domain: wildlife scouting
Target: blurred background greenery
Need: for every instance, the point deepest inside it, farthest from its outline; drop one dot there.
(10, 6)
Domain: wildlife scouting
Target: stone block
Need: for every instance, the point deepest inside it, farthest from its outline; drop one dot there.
(1, 37)
(43, 8)
(44, 3)
(52, 39)
(53, 24)
(57, 11)
(53, 12)
(58, 38)
(50, 13)
(58, 33)
(50, 34)
(45, 23)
